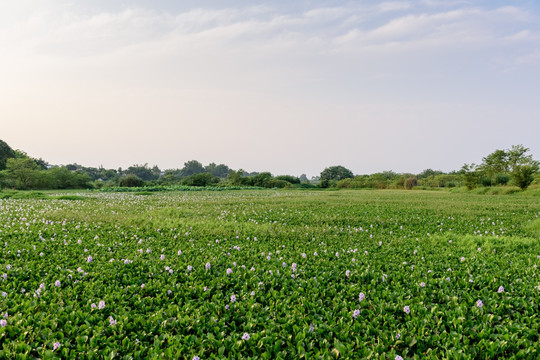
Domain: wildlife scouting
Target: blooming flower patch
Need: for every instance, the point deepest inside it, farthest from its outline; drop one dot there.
(270, 274)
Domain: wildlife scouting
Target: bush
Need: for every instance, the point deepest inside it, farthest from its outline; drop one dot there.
(411, 182)
(501, 179)
(485, 181)
(202, 179)
(131, 181)
(289, 178)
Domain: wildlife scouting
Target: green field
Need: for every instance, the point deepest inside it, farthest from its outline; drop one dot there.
(270, 274)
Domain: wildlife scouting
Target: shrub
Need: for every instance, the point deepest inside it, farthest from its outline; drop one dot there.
(131, 181)
(501, 179)
(411, 182)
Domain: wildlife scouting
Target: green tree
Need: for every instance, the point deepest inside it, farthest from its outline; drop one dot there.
(6, 152)
(192, 167)
(522, 167)
(220, 170)
(470, 175)
(495, 163)
(143, 172)
(336, 173)
(24, 171)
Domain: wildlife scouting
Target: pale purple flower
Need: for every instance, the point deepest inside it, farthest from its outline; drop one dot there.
(252, 293)
(398, 357)
(41, 254)
(304, 255)
(229, 271)
(407, 310)
(479, 303)
(8, 267)
(226, 307)
(162, 257)
(207, 266)
(101, 305)
(56, 345)
(356, 313)
(4, 294)
(93, 306)
(89, 259)
(169, 292)
(142, 286)
(57, 283)
(112, 321)
(196, 358)
(361, 297)
(347, 273)
(179, 252)
(462, 259)
(398, 335)
(311, 328)
(3, 323)
(189, 268)
(293, 266)
(283, 264)
(233, 298)
(245, 336)
(4, 275)
(423, 284)
(501, 289)
(479, 249)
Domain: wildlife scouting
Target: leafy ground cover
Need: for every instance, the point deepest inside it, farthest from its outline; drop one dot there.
(270, 274)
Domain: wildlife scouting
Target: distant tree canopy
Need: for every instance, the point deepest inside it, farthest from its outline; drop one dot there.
(144, 172)
(221, 170)
(336, 173)
(192, 167)
(501, 167)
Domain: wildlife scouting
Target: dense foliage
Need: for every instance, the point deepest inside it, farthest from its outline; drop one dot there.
(270, 275)
(513, 167)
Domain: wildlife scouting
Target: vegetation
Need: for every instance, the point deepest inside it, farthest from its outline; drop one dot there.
(502, 168)
(270, 275)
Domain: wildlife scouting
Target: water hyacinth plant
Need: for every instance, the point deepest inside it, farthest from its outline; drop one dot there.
(270, 274)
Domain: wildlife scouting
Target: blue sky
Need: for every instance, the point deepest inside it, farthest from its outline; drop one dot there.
(289, 87)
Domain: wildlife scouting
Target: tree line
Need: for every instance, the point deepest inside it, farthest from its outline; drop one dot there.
(20, 171)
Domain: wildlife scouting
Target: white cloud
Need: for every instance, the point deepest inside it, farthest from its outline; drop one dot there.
(259, 75)
(393, 6)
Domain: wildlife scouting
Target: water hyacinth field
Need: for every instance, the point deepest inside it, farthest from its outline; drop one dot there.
(268, 274)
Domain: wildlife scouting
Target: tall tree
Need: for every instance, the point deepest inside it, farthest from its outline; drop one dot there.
(23, 170)
(192, 167)
(336, 173)
(6, 152)
(522, 167)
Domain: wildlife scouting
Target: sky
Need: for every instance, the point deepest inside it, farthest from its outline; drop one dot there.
(289, 87)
